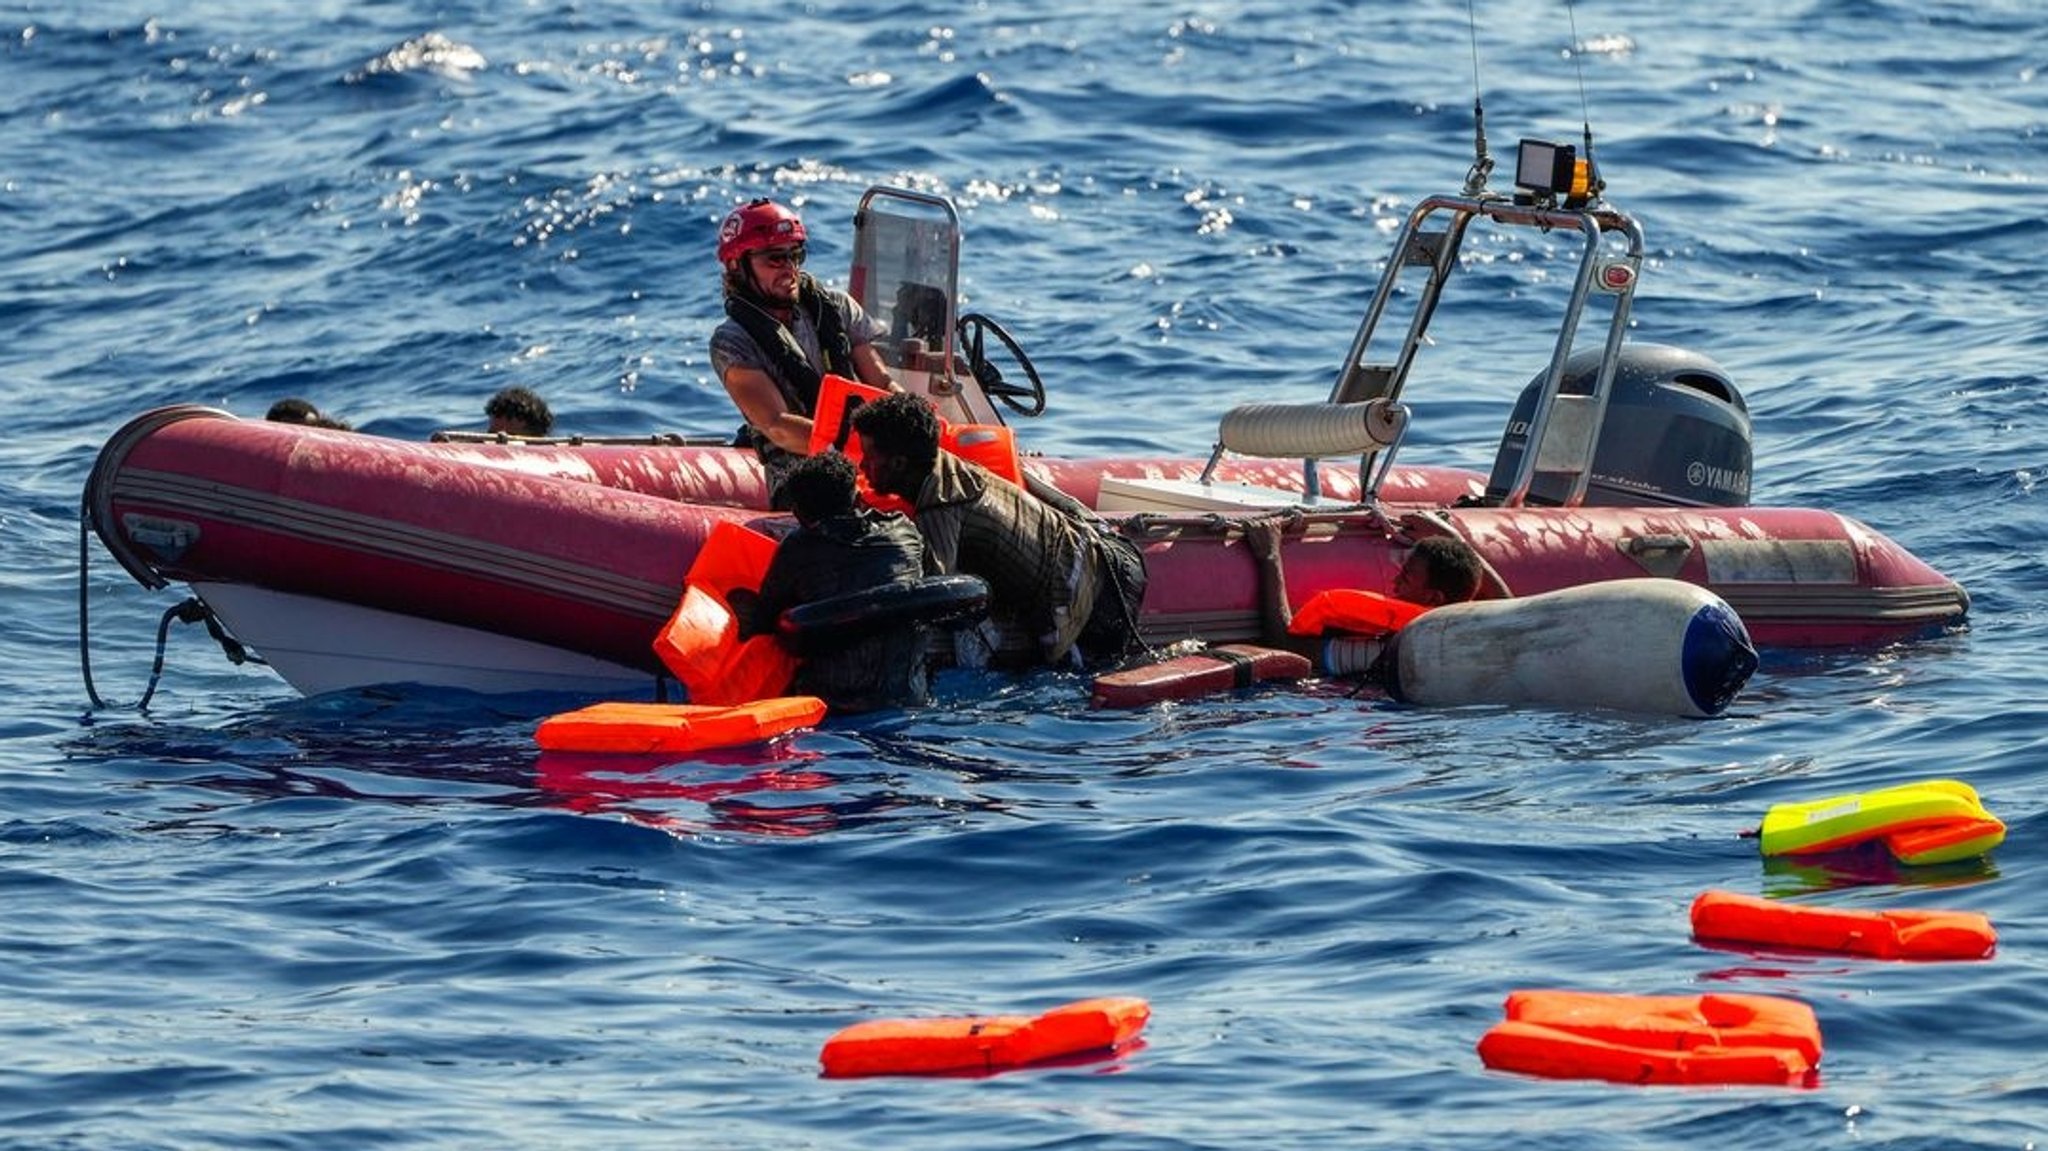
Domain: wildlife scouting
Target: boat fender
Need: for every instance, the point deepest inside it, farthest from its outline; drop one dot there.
(1224, 667)
(638, 728)
(1931, 821)
(983, 1043)
(1648, 645)
(1726, 917)
(835, 622)
(1660, 1039)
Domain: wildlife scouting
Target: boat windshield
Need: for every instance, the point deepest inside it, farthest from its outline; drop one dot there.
(906, 275)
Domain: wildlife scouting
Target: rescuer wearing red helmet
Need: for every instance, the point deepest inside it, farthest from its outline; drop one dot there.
(784, 331)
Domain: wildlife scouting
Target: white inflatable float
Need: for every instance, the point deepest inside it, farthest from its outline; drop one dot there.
(1651, 645)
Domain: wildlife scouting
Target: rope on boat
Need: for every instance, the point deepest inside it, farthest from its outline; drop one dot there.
(191, 610)
(1143, 526)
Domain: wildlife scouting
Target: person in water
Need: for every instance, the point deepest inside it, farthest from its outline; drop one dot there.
(840, 547)
(293, 410)
(783, 333)
(517, 411)
(1069, 580)
(1438, 570)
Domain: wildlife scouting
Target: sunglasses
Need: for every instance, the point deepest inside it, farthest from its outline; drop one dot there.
(781, 257)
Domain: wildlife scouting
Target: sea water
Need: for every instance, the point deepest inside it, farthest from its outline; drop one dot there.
(246, 919)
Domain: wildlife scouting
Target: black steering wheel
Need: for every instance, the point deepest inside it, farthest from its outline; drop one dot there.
(1025, 401)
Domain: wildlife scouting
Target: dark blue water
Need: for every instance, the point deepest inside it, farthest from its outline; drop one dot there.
(249, 920)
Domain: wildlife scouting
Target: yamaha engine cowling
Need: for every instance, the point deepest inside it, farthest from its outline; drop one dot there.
(1676, 434)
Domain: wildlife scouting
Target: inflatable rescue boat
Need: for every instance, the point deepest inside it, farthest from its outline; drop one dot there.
(497, 564)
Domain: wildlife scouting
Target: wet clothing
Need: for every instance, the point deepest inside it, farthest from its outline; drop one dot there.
(837, 556)
(825, 328)
(1053, 567)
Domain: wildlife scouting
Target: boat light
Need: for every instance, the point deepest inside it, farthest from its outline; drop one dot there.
(1545, 171)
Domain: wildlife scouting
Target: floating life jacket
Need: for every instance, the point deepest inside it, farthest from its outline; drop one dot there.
(1726, 917)
(637, 728)
(1666, 1039)
(983, 1043)
(1932, 821)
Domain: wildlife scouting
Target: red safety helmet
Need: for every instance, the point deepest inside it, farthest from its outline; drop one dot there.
(756, 225)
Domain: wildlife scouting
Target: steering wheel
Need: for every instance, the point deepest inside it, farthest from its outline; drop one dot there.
(1025, 401)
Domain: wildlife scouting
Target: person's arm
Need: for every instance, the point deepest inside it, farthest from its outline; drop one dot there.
(863, 335)
(1262, 539)
(761, 405)
(869, 366)
(778, 592)
(940, 527)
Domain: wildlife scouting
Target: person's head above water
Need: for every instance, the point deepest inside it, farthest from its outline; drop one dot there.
(820, 487)
(1440, 570)
(899, 442)
(519, 412)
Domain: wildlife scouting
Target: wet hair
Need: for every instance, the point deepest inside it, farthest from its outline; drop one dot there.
(294, 410)
(903, 425)
(522, 407)
(1450, 566)
(820, 487)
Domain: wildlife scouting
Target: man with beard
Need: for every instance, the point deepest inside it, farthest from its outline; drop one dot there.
(784, 331)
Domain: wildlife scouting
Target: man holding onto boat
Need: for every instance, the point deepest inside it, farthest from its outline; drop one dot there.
(838, 548)
(1439, 569)
(1053, 567)
(784, 332)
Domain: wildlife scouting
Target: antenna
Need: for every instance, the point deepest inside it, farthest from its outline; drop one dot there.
(1594, 184)
(1482, 163)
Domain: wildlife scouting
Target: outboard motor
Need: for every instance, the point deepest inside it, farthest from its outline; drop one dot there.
(1676, 434)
